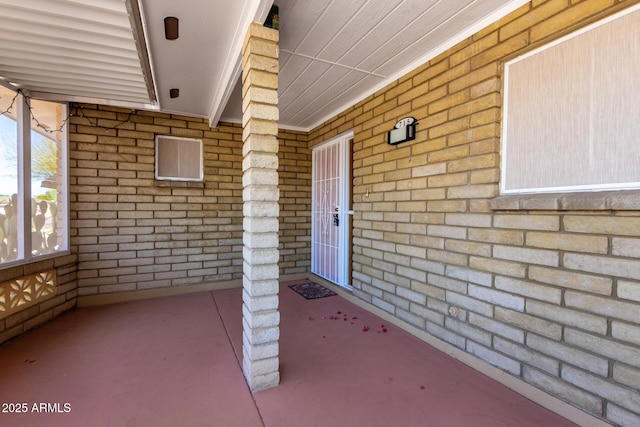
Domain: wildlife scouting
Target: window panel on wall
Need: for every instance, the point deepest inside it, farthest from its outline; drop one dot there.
(48, 174)
(572, 111)
(33, 178)
(8, 176)
(179, 159)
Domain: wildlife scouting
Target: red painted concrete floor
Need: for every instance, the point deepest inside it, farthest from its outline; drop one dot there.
(175, 362)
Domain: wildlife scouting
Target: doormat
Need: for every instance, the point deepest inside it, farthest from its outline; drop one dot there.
(312, 290)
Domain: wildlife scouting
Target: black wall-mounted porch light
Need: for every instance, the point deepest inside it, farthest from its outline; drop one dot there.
(403, 131)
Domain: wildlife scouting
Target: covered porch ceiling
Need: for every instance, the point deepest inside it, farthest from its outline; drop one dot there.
(332, 53)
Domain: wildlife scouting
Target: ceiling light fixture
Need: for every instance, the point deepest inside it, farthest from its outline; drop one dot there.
(174, 93)
(171, 27)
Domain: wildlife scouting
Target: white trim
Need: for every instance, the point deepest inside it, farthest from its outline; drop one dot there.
(152, 69)
(503, 125)
(64, 158)
(140, 38)
(23, 123)
(313, 199)
(54, 97)
(222, 97)
(574, 188)
(344, 247)
(253, 11)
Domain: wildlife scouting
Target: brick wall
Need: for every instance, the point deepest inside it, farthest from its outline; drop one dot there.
(65, 298)
(132, 232)
(550, 296)
(294, 158)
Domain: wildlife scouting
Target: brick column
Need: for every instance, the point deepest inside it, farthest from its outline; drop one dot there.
(260, 195)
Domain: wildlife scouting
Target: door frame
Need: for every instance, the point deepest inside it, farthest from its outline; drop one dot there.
(345, 213)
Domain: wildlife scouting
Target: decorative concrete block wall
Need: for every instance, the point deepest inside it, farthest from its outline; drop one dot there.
(542, 288)
(35, 293)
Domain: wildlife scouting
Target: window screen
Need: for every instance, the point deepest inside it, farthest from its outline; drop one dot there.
(178, 159)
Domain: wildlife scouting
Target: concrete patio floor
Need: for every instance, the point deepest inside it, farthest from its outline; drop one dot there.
(175, 361)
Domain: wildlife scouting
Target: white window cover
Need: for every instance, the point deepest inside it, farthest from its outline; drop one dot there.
(572, 111)
(178, 159)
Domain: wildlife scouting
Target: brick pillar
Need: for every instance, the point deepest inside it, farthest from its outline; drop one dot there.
(260, 195)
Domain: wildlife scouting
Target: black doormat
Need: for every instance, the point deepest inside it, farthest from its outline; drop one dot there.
(312, 290)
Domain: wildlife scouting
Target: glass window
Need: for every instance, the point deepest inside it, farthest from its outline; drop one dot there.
(8, 176)
(47, 177)
(33, 178)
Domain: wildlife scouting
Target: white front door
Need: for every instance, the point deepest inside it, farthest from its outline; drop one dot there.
(331, 210)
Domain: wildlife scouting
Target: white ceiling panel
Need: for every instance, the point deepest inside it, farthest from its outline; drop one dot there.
(349, 88)
(316, 81)
(404, 37)
(333, 21)
(298, 66)
(442, 32)
(353, 82)
(334, 53)
(360, 25)
(306, 79)
(387, 36)
(300, 16)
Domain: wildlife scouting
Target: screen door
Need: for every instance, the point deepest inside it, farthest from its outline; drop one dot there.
(331, 211)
